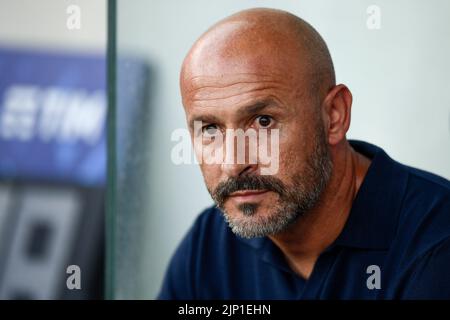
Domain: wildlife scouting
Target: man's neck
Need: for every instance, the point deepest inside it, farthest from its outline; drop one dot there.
(303, 242)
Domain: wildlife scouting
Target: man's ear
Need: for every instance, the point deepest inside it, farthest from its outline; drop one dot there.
(338, 105)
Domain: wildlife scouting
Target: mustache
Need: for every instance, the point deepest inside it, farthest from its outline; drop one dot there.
(251, 182)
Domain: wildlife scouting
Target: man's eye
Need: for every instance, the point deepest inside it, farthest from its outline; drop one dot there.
(264, 121)
(209, 130)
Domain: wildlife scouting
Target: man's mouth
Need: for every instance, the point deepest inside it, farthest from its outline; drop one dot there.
(248, 195)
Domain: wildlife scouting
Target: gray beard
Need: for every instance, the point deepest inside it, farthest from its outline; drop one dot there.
(260, 227)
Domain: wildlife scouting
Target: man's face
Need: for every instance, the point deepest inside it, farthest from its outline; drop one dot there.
(255, 204)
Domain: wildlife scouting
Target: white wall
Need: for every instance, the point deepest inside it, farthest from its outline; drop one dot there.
(398, 76)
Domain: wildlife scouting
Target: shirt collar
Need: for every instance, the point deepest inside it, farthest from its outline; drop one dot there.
(373, 218)
(372, 222)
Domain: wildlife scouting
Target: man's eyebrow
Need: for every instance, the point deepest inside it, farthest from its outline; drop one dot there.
(203, 118)
(257, 107)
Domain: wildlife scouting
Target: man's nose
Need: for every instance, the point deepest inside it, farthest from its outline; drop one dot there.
(239, 158)
(235, 169)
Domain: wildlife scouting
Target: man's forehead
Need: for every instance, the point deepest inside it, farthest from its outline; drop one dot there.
(242, 65)
(235, 89)
(259, 68)
(223, 80)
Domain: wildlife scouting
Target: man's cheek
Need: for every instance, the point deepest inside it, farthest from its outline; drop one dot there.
(210, 176)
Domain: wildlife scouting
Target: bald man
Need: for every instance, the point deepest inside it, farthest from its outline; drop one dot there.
(338, 219)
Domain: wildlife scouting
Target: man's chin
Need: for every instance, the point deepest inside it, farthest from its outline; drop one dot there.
(259, 222)
(247, 210)
(248, 226)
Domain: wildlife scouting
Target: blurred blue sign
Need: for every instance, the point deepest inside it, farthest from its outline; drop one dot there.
(52, 117)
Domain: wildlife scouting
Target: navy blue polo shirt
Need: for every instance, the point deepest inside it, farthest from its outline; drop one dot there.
(395, 245)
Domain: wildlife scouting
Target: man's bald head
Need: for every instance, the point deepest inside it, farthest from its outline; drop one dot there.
(262, 41)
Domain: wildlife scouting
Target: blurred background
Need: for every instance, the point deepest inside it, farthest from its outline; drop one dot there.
(393, 55)
(52, 148)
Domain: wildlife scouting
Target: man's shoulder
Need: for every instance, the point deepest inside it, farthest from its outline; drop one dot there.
(421, 249)
(426, 192)
(424, 220)
(427, 179)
